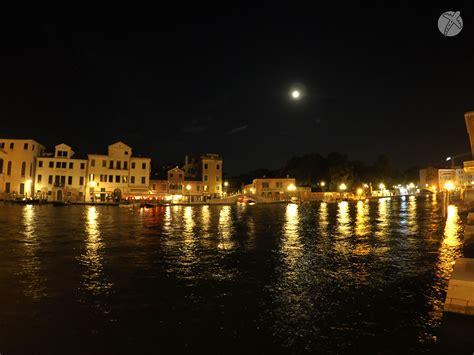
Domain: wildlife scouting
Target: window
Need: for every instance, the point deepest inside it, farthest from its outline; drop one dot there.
(25, 146)
(132, 179)
(93, 162)
(71, 165)
(2, 145)
(117, 178)
(111, 164)
(279, 185)
(23, 168)
(124, 179)
(265, 185)
(119, 165)
(218, 188)
(69, 180)
(56, 180)
(22, 188)
(12, 145)
(198, 187)
(40, 163)
(81, 180)
(125, 165)
(91, 177)
(9, 168)
(39, 179)
(103, 178)
(111, 178)
(153, 187)
(50, 179)
(205, 187)
(1, 166)
(180, 176)
(205, 166)
(143, 166)
(104, 163)
(171, 175)
(51, 164)
(205, 177)
(126, 152)
(143, 179)
(218, 177)
(7, 187)
(83, 165)
(217, 166)
(63, 180)
(58, 165)
(31, 169)
(49, 193)
(133, 165)
(33, 147)
(64, 165)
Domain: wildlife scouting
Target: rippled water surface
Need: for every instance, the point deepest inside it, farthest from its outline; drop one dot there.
(347, 277)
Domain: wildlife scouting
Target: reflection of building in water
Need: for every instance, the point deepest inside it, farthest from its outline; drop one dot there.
(94, 279)
(35, 286)
(412, 220)
(188, 254)
(291, 243)
(225, 228)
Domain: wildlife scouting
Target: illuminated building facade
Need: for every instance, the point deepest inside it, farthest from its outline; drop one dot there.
(117, 175)
(206, 168)
(17, 167)
(272, 188)
(60, 177)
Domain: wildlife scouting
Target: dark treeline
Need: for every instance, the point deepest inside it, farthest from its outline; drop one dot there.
(336, 168)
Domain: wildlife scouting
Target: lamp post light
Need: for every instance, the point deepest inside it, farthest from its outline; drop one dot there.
(322, 184)
(359, 193)
(291, 188)
(226, 185)
(188, 189)
(342, 188)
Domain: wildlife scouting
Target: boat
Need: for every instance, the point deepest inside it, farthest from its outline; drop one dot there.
(61, 203)
(26, 201)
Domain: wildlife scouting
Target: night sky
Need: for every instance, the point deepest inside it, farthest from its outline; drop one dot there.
(376, 80)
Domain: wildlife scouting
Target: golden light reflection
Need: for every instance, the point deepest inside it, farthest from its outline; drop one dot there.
(291, 244)
(449, 250)
(34, 284)
(343, 219)
(362, 225)
(205, 220)
(92, 259)
(383, 217)
(225, 229)
(323, 219)
(412, 220)
(188, 256)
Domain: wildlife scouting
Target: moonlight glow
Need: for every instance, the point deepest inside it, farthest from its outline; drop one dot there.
(295, 94)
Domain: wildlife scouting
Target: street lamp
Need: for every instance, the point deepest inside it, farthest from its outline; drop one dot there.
(359, 192)
(188, 188)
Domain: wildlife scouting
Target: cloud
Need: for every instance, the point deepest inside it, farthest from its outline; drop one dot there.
(238, 129)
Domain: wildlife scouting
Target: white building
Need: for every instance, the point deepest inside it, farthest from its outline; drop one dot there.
(59, 177)
(117, 175)
(17, 167)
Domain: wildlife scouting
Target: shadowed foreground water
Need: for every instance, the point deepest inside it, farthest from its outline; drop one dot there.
(348, 277)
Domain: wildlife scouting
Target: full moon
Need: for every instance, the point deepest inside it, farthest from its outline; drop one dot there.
(295, 94)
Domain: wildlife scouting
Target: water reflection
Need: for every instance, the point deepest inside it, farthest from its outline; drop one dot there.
(344, 230)
(291, 248)
(362, 225)
(412, 215)
(94, 279)
(205, 220)
(450, 248)
(35, 285)
(323, 219)
(225, 229)
(188, 256)
(383, 217)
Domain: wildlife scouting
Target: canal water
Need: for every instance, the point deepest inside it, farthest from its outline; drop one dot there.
(344, 277)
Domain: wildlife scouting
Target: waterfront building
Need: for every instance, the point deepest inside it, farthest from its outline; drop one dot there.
(206, 168)
(272, 188)
(117, 175)
(17, 167)
(429, 178)
(177, 187)
(59, 176)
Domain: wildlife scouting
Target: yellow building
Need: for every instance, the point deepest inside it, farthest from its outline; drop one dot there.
(117, 175)
(59, 177)
(272, 188)
(177, 188)
(208, 169)
(17, 167)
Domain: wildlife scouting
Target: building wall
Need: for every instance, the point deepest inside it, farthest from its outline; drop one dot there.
(273, 188)
(211, 167)
(469, 118)
(59, 177)
(20, 155)
(117, 175)
(429, 177)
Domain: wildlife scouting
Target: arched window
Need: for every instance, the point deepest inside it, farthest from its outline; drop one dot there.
(9, 168)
